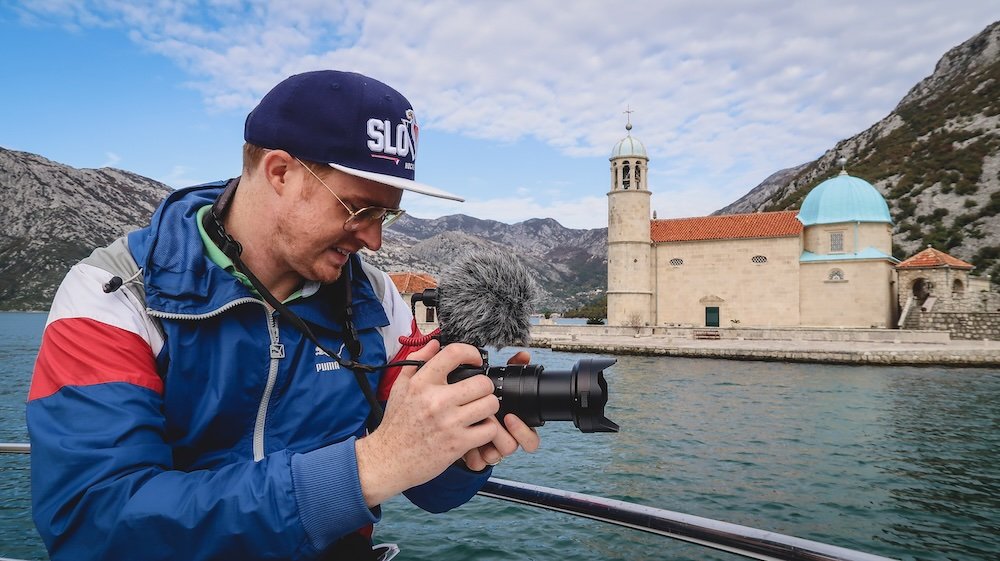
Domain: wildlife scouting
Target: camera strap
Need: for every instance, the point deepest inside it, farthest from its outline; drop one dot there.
(232, 248)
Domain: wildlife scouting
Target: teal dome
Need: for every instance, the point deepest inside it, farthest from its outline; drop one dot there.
(629, 147)
(844, 198)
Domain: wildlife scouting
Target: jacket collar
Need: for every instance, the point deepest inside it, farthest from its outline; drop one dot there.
(180, 279)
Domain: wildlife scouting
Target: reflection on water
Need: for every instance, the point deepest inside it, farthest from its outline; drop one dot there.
(902, 462)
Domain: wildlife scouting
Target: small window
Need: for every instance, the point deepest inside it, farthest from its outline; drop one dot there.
(957, 288)
(836, 242)
(626, 176)
(836, 275)
(759, 259)
(676, 262)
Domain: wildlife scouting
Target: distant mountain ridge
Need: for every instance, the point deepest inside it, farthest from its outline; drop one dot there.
(54, 215)
(935, 158)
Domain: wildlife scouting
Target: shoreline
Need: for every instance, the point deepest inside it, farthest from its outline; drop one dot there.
(954, 353)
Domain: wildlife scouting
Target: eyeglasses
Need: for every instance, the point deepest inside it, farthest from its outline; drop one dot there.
(365, 217)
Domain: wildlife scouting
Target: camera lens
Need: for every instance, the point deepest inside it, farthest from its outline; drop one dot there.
(536, 395)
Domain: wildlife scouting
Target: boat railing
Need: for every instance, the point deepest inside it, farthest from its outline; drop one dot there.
(716, 534)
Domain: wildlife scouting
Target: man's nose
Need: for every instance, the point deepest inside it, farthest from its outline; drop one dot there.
(371, 236)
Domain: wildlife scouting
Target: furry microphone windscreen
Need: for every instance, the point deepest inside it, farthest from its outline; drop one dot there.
(486, 299)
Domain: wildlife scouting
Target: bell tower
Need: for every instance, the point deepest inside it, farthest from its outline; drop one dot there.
(630, 294)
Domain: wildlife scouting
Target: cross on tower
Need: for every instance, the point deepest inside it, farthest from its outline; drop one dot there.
(628, 117)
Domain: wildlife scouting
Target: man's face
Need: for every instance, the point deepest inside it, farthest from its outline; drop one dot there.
(311, 238)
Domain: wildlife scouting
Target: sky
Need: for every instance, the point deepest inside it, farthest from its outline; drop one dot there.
(519, 102)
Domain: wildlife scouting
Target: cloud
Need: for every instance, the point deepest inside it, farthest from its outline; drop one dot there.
(724, 92)
(111, 160)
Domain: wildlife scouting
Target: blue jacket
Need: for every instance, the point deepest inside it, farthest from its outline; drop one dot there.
(178, 418)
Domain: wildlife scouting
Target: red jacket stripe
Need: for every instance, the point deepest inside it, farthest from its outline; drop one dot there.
(83, 352)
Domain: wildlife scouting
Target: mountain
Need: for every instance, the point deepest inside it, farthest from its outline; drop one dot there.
(935, 158)
(54, 215)
(569, 264)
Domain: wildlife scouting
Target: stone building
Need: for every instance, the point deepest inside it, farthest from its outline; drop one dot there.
(828, 264)
(408, 284)
(937, 292)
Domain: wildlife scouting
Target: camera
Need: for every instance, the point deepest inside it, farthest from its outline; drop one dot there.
(526, 390)
(536, 396)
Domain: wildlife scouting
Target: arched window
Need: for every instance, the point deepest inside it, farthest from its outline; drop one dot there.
(957, 288)
(676, 262)
(638, 176)
(758, 259)
(626, 175)
(836, 275)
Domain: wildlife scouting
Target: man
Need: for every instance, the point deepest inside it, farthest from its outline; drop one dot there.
(179, 408)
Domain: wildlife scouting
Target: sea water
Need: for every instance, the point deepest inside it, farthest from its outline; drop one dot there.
(896, 461)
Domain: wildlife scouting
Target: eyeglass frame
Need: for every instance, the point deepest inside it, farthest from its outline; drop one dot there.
(353, 223)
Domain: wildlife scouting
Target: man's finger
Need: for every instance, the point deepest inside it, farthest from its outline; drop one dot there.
(525, 435)
(520, 357)
(436, 369)
(504, 443)
(423, 354)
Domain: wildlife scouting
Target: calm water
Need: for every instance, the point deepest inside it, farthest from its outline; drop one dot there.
(902, 462)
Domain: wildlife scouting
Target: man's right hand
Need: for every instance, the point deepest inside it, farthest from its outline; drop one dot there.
(428, 423)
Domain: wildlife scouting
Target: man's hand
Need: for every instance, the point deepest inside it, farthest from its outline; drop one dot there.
(428, 423)
(506, 441)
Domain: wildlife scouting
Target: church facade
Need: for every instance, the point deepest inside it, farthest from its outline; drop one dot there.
(828, 264)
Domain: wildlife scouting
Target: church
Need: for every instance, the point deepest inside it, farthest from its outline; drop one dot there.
(828, 264)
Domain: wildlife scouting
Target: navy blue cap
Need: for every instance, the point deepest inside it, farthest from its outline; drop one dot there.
(354, 123)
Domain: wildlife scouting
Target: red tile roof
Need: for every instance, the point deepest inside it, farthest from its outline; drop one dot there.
(411, 283)
(931, 258)
(727, 226)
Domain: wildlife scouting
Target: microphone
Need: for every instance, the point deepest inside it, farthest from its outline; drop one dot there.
(485, 299)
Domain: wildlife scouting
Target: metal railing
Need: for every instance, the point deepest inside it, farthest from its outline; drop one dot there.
(715, 534)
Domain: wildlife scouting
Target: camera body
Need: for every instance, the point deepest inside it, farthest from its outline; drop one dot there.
(536, 396)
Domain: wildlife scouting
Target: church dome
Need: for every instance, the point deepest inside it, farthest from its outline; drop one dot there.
(629, 147)
(844, 198)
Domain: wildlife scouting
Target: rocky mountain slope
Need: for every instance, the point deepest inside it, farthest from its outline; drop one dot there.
(568, 264)
(935, 157)
(54, 215)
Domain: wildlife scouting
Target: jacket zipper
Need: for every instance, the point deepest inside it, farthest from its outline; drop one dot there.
(276, 349)
(277, 353)
(225, 307)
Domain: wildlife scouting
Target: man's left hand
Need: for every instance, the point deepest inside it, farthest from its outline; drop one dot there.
(512, 434)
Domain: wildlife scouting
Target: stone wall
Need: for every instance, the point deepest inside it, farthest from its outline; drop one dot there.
(961, 325)
(558, 332)
(753, 282)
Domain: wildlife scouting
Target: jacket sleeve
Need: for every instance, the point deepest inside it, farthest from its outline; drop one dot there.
(103, 482)
(456, 485)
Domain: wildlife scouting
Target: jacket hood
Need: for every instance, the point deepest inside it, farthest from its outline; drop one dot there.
(179, 277)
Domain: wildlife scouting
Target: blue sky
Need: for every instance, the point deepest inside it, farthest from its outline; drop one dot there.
(519, 102)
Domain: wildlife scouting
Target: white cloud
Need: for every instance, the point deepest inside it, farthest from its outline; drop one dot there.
(725, 92)
(180, 176)
(111, 160)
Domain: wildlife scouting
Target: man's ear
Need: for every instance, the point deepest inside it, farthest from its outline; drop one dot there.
(276, 166)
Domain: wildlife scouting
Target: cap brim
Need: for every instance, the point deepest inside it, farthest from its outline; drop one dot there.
(399, 182)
